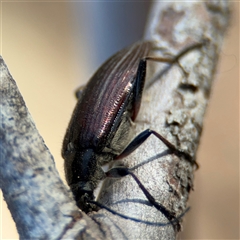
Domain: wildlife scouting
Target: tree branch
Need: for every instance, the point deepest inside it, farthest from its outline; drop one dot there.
(174, 106)
(43, 207)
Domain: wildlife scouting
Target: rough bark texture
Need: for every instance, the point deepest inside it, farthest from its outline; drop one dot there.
(174, 106)
(41, 206)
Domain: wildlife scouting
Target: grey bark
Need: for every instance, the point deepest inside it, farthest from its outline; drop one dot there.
(174, 105)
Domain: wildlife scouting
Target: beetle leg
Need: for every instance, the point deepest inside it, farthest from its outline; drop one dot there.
(174, 221)
(122, 171)
(141, 74)
(176, 58)
(140, 80)
(171, 61)
(137, 141)
(138, 87)
(117, 172)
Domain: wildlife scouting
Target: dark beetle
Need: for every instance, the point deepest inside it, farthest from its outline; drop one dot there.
(100, 128)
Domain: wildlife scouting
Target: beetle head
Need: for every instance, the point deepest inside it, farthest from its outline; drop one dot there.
(82, 174)
(83, 195)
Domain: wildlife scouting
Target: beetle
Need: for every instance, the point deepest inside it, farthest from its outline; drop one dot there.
(100, 128)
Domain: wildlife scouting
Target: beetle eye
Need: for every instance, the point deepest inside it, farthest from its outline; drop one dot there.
(70, 147)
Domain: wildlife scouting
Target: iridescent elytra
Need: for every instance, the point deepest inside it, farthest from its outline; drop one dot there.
(100, 128)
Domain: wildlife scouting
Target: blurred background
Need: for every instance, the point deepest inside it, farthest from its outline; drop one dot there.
(51, 48)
